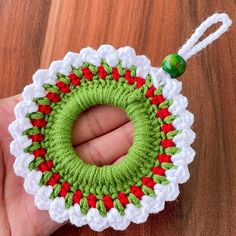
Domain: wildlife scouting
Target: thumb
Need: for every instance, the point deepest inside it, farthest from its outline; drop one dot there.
(4, 230)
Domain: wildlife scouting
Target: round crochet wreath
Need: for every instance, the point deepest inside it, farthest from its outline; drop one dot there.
(112, 195)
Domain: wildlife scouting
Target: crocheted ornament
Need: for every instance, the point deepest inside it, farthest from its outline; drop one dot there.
(108, 196)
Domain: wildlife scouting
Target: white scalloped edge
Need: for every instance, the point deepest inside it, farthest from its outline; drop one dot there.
(183, 122)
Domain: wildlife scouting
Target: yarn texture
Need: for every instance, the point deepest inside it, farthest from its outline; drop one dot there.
(108, 196)
(156, 163)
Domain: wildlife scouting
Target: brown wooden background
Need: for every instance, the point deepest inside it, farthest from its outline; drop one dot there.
(34, 32)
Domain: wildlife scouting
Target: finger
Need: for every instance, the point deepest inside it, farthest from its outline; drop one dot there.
(2, 172)
(7, 104)
(17, 97)
(3, 215)
(7, 114)
(119, 159)
(106, 149)
(97, 121)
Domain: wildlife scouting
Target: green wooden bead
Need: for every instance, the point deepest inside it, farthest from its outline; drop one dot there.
(174, 65)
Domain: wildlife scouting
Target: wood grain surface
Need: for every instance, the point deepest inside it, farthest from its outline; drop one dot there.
(35, 32)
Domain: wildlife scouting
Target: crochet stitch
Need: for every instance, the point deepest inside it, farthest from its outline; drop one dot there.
(107, 196)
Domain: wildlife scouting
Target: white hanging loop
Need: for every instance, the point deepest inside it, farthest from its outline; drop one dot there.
(192, 46)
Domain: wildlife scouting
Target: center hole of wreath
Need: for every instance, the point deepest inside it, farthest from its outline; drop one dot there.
(102, 135)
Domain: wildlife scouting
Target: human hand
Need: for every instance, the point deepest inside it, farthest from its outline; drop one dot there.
(95, 136)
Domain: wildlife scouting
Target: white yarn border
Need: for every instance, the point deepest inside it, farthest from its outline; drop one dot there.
(56, 207)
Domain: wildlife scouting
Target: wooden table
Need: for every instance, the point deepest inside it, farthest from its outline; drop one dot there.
(34, 32)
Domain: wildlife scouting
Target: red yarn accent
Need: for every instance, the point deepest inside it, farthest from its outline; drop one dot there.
(157, 100)
(43, 167)
(167, 143)
(164, 158)
(108, 202)
(77, 196)
(130, 80)
(149, 182)
(39, 152)
(163, 113)
(91, 200)
(136, 191)
(38, 122)
(50, 164)
(65, 89)
(150, 92)
(54, 179)
(87, 73)
(60, 84)
(65, 187)
(36, 137)
(139, 82)
(75, 80)
(123, 198)
(53, 97)
(128, 77)
(115, 74)
(52, 182)
(167, 128)
(73, 76)
(45, 109)
(101, 72)
(127, 74)
(47, 165)
(158, 170)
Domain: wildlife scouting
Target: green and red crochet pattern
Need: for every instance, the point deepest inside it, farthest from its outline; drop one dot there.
(156, 163)
(110, 195)
(107, 195)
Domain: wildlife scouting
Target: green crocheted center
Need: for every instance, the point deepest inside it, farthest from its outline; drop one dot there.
(141, 156)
